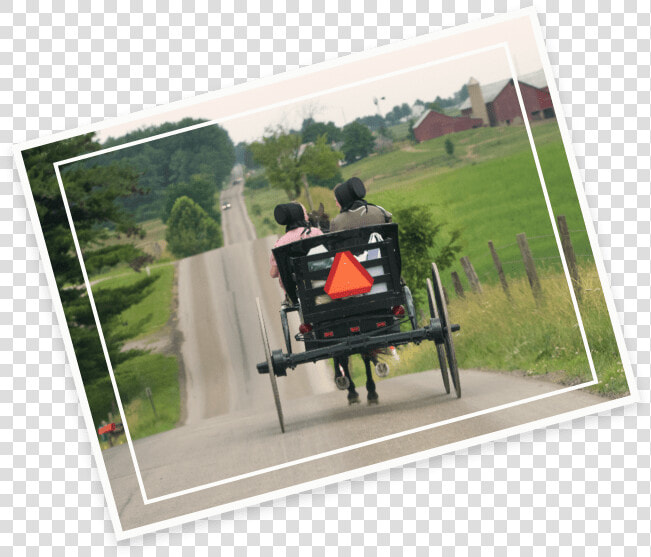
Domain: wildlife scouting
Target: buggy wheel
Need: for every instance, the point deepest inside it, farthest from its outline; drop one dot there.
(272, 375)
(442, 308)
(440, 350)
(411, 310)
(286, 334)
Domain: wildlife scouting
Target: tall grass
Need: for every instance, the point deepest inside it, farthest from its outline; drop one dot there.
(160, 374)
(537, 339)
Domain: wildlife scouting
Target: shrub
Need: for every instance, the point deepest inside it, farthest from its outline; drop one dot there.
(449, 147)
(256, 182)
(422, 240)
(190, 230)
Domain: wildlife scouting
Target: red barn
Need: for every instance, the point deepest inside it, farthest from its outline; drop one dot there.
(497, 103)
(434, 124)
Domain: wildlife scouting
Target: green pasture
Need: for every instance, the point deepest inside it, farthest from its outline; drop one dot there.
(410, 162)
(489, 190)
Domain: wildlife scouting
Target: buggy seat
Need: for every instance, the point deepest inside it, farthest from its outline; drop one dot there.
(306, 265)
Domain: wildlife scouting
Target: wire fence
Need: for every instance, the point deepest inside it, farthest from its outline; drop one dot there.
(532, 265)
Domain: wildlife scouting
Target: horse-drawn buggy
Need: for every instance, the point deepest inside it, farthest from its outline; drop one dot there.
(347, 289)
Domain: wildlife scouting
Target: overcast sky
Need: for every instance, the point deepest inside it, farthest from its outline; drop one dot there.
(355, 99)
(342, 107)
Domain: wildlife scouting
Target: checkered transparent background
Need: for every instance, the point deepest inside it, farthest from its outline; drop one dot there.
(585, 483)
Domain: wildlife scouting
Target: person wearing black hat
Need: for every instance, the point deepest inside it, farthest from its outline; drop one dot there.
(355, 211)
(293, 217)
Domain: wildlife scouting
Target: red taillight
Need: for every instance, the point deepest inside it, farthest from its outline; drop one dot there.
(328, 334)
(398, 311)
(381, 324)
(305, 328)
(354, 329)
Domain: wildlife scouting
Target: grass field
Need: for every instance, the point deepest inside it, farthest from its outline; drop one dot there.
(541, 340)
(399, 132)
(160, 374)
(156, 371)
(489, 190)
(152, 312)
(153, 243)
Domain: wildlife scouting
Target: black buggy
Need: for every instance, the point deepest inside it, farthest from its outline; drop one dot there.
(348, 292)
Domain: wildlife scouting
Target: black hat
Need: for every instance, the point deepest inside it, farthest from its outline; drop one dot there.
(350, 191)
(288, 214)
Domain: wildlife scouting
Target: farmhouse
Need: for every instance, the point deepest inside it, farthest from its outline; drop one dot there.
(497, 103)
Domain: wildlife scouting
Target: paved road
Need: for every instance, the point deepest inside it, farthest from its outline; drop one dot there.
(219, 322)
(232, 444)
(232, 427)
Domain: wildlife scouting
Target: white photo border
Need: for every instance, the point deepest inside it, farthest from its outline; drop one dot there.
(632, 397)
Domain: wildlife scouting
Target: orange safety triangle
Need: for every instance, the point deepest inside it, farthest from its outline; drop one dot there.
(347, 277)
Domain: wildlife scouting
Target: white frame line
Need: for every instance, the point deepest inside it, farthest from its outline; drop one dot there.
(363, 444)
(502, 45)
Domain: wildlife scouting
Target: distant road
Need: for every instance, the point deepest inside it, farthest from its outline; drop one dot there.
(219, 321)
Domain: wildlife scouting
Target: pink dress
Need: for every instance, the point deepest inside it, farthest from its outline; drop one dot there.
(287, 238)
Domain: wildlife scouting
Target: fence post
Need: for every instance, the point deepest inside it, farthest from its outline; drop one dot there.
(473, 279)
(151, 399)
(458, 288)
(500, 271)
(568, 249)
(529, 266)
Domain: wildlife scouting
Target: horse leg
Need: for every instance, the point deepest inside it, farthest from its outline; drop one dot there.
(353, 396)
(372, 395)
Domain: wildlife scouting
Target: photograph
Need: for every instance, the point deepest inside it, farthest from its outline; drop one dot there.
(328, 272)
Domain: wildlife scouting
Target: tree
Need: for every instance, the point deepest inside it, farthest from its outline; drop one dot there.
(199, 188)
(92, 192)
(162, 162)
(190, 230)
(449, 147)
(288, 162)
(435, 106)
(312, 130)
(374, 122)
(410, 134)
(422, 239)
(358, 142)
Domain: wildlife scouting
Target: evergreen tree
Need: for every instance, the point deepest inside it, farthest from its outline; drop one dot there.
(190, 230)
(92, 193)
